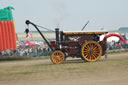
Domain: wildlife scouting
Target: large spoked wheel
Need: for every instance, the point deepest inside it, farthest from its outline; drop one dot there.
(57, 57)
(91, 51)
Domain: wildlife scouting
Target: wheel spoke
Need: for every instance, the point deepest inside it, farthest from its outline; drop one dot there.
(88, 56)
(93, 56)
(85, 50)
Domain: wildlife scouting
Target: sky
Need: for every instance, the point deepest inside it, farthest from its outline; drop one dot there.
(69, 15)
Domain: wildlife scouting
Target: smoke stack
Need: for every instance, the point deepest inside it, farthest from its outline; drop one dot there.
(57, 36)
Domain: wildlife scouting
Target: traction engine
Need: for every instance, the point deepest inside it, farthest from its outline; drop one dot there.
(84, 45)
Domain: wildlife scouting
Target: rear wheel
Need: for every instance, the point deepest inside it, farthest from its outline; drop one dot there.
(57, 57)
(91, 51)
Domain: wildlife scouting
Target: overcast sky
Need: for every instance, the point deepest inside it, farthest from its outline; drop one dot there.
(70, 15)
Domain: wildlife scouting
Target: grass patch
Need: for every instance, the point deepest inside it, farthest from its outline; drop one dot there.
(27, 69)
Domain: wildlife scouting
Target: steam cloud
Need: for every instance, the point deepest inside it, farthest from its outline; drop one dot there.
(61, 13)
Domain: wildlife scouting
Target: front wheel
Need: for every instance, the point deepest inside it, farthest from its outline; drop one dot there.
(57, 57)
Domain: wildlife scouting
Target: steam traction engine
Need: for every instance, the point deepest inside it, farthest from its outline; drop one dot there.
(86, 45)
(77, 44)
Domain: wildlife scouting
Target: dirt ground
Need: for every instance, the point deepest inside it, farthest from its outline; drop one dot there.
(111, 71)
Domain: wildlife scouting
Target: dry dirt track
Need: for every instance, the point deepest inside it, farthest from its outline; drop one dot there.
(113, 71)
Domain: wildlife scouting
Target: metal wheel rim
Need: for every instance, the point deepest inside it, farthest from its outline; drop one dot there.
(91, 51)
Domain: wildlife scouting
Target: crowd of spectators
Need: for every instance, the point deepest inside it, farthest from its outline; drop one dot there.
(117, 45)
(44, 50)
(27, 51)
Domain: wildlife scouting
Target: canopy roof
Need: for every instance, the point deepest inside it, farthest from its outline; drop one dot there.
(84, 33)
